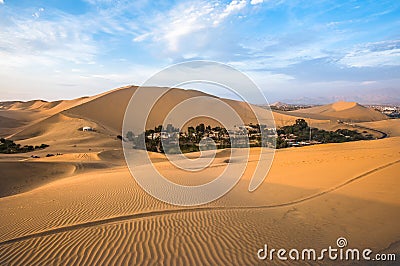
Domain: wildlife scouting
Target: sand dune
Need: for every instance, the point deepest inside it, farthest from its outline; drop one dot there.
(109, 109)
(17, 105)
(391, 126)
(64, 135)
(8, 125)
(346, 111)
(287, 118)
(24, 114)
(24, 175)
(16, 120)
(18, 177)
(40, 105)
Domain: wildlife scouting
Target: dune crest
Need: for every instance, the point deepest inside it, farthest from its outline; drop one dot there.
(340, 106)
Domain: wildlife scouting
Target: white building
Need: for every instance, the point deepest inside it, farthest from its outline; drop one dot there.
(87, 129)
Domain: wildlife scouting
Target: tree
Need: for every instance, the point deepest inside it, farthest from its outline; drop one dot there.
(190, 131)
(281, 143)
(301, 123)
(158, 129)
(200, 128)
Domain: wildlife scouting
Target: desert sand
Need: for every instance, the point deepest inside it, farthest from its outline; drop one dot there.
(84, 208)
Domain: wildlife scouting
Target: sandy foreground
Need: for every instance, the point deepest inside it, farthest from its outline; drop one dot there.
(312, 196)
(83, 207)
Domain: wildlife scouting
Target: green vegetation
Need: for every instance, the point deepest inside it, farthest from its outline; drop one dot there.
(172, 140)
(301, 132)
(9, 146)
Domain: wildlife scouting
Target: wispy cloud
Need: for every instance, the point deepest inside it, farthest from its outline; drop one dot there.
(49, 36)
(231, 8)
(189, 18)
(385, 53)
(46, 41)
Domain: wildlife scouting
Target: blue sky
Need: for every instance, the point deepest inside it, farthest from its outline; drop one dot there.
(304, 51)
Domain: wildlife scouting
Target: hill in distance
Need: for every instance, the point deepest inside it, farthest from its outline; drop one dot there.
(344, 111)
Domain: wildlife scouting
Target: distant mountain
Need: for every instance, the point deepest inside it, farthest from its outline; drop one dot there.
(278, 104)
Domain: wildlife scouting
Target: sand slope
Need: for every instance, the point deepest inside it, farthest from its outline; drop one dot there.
(391, 126)
(63, 133)
(16, 116)
(346, 111)
(109, 109)
(17, 177)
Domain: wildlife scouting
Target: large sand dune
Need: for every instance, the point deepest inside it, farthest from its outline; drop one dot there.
(64, 135)
(346, 111)
(109, 109)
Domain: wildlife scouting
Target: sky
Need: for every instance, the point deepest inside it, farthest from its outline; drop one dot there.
(312, 51)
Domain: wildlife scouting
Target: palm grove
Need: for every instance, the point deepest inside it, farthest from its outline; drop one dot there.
(171, 140)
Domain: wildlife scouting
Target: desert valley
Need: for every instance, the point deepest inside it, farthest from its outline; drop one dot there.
(76, 203)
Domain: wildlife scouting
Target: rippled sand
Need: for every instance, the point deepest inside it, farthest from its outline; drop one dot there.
(312, 196)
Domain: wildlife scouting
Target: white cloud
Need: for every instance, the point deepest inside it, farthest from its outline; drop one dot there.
(27, 40)
(385, 53)
(1, 1)
(195, 19)
(185, 20)
(256, 2)
(47, 41)
(232, 7)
